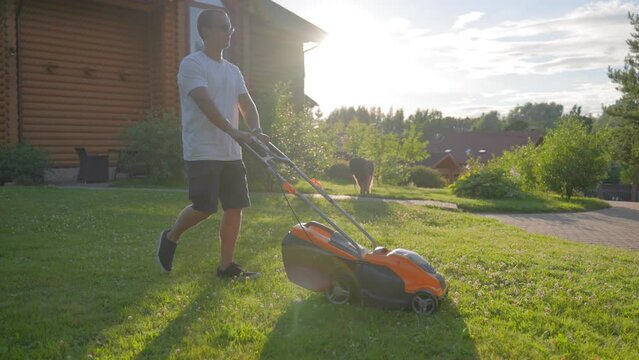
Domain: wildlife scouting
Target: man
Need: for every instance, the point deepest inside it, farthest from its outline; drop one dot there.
(211, 92)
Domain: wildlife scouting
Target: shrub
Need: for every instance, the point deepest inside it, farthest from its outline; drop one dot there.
(426, 177)
(301, 136)
(339, 171)
(5, 151)
(26, 164)
(156, 141)
(520, 164)
(487, 182)
(572, 158)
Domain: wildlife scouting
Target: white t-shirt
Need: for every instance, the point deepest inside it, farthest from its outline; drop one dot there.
(201, 140)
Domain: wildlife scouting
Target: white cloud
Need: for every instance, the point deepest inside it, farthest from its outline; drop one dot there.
(590, 37)
(466, 19)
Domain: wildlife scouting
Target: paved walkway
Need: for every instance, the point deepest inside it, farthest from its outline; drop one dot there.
(432, 203)
(615, 226)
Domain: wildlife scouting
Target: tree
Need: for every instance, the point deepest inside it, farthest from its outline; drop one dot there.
(430, 123)
(355, 137)
(520, 164)
(586, 120)
(390, 152)
(394, 122)
(539, 116)
(572, 158)
(624, 114)
(488, 122)
(300, 136)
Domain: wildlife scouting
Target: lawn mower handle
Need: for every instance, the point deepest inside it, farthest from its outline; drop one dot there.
(267, 153)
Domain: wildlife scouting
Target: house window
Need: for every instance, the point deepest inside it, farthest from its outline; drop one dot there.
(195, 8)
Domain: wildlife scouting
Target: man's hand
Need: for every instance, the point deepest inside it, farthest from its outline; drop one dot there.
(263, 138)
(240, 135)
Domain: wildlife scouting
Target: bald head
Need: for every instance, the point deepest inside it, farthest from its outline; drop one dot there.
(211, 18)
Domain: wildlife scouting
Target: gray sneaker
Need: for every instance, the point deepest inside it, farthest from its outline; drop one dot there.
(166, 250)
(235, 271)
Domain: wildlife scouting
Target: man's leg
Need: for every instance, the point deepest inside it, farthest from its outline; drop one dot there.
(233, 198)
(188, 218)
(229, 233)
(203, 193)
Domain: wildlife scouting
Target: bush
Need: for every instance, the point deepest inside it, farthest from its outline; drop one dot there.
(487, 182)
(301, 136)
(156, 141)
(572, 158)
(426, 177)
(340, 171)
(520, 164)
(5, 151)
(24, 164)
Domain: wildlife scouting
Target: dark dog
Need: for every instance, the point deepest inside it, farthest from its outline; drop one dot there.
(362, 170)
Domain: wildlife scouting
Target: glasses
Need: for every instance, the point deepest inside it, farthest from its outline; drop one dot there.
(229, 29)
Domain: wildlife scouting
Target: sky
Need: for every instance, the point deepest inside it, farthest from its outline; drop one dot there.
(464, 57)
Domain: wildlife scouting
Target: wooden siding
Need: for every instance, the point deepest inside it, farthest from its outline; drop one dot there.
(8, 76)
(164, 57)
(84, 74)
(274, 56)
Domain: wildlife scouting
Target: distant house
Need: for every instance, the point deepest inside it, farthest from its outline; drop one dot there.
(74, 73)
(449, 152)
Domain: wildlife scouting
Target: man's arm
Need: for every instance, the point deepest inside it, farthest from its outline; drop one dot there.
(249, 111)
(206, 105)
(251, 116)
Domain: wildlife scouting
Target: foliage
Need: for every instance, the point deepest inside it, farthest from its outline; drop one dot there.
(425, 177)
(427, 122)
(520, 165)
(393, 122)
(486, 182)
(357, 138)
(584, 119)
(572, 159)
(614, 173)
(345, 115)
(156, 142)
(5, 151)
(488, 122)
(24, 164)
(390, 152)
(539, 116)
(304, 139)
(430, 123)
(340, 171)
(625, 111)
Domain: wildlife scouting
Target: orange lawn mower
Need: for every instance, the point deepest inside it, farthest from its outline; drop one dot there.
(326, 259)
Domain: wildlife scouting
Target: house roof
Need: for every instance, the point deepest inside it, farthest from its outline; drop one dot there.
(484, 145)
(286, 19)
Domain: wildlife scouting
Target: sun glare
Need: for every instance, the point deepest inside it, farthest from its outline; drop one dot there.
(364, 60)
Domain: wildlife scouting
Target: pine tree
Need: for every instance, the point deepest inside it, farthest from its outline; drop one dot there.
(625, 111)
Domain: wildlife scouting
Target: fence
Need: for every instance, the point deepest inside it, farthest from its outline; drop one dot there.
(618, 192)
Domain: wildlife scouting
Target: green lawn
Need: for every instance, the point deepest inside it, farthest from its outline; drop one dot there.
(79, 280)
(531, 203)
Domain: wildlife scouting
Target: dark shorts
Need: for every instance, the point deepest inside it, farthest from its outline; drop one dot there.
(213, 180)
